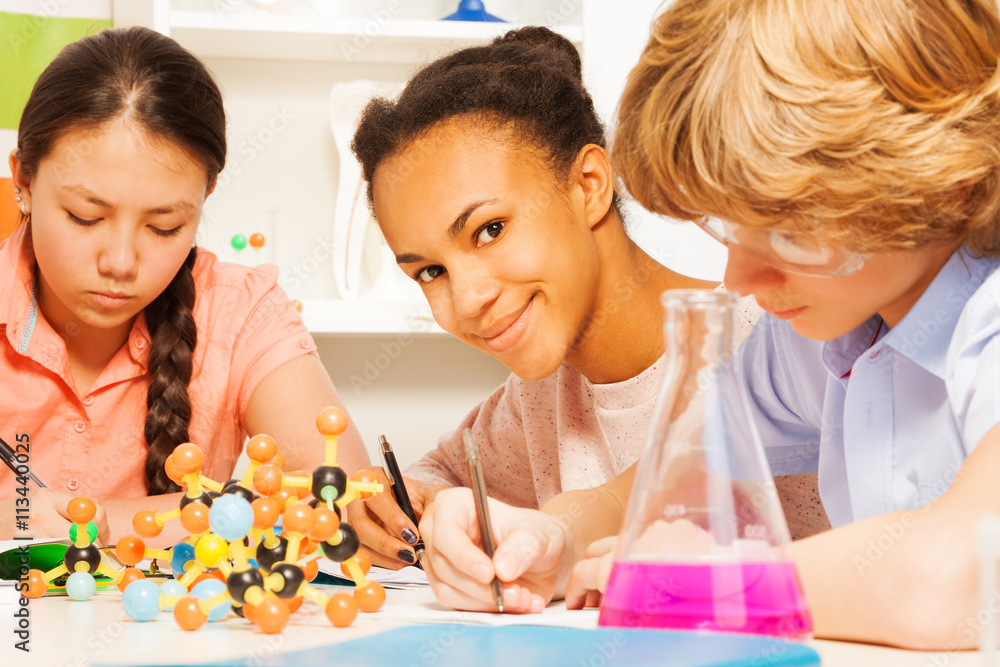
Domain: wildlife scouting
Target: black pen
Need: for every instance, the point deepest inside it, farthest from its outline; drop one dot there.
(482, 508)
(399, 491)
(20, 469)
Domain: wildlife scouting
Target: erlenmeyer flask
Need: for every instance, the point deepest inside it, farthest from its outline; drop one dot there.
(704, 543)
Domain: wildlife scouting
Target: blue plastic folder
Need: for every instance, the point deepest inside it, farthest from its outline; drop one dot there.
(538, 646)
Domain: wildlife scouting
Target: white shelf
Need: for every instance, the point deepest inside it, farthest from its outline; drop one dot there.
(285, 37)
(337, 317)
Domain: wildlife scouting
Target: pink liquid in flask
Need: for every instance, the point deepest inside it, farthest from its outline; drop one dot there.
(762, 598)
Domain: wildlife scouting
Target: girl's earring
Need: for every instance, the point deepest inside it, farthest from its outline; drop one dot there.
(17, 194)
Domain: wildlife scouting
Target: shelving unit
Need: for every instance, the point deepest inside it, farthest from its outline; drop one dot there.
(337, 317)
(284, 37)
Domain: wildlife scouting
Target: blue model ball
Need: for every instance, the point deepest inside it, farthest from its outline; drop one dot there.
(209, 588)
(141, 600)
(231, 517)
(181, 555)
(81, 586)
(172, 588)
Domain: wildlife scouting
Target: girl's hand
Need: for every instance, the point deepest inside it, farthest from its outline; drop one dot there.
(48, 517)
(532, 560)
(386, 533)
(590, 576)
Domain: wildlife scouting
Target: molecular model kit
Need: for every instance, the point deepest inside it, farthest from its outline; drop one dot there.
(234, 557)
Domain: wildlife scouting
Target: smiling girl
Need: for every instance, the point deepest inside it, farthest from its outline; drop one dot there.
(120, 338)
(490, 182)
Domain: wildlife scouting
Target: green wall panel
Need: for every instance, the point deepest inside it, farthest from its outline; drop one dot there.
(28, 43)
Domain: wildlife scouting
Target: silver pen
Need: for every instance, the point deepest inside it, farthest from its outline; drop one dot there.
(20, 469)
(482, 508)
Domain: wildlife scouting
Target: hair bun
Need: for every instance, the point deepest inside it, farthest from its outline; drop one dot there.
(538, 37)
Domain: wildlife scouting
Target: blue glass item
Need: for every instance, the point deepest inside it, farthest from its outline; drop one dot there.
(473, 10)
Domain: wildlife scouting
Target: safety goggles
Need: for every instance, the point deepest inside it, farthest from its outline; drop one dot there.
(786, 250)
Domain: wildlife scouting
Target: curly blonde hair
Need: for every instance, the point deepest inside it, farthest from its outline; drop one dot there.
(870, 123)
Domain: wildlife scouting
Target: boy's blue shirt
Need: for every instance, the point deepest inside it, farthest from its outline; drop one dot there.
(892, 434)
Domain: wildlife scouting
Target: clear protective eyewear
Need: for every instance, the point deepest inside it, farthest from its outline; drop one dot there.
(786, 250)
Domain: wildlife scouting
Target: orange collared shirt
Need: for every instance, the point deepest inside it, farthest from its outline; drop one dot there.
(92, 444)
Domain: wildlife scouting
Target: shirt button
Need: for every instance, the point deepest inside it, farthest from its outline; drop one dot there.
(73, 484)
(88, 400)
(80, 427)
(304, 344)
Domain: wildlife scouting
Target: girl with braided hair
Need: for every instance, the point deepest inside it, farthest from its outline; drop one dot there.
(120, 338)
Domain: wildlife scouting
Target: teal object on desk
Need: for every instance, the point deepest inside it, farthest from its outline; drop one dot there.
(540, 646)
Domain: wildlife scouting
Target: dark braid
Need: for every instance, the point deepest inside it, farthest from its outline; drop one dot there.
(171, 327)
(148, 79)
(529, 80)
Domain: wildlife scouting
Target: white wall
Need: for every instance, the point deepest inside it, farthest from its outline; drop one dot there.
(614, 35)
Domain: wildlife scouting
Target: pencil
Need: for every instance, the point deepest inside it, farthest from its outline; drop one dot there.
(482, 509)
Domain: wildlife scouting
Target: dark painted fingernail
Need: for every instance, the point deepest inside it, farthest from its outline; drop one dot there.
(409, 536)
(407, 556)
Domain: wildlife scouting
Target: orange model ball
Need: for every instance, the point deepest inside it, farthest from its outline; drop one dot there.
(81, 510)
(271, 616)
(189, 614)
(188, 458)
(261, 448)
(342, 609)
(370, 597)
(332, 421)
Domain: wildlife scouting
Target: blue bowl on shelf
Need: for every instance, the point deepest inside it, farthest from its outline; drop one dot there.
(472, 10)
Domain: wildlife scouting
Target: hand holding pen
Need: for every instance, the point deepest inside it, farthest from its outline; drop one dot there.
(399, 492)
(485, 555)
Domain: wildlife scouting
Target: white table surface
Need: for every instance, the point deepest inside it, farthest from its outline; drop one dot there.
(65, 632)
